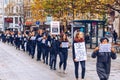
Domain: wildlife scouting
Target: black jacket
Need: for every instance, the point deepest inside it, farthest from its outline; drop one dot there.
(104, 56)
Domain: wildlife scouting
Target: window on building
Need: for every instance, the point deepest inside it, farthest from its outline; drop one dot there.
(16, 20)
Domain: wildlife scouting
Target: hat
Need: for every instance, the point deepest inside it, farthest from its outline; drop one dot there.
(103, 38)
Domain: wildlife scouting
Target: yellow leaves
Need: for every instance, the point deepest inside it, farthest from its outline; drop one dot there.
(107, 1)
(37, 10)
(61, 8)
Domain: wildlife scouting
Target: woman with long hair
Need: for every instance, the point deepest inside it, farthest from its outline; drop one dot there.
(64, 45)
(79, 38)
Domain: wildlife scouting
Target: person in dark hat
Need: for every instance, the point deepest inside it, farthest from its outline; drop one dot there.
(104, 58)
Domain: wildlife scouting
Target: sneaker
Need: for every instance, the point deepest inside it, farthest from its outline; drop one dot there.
(76, 78)
(59, 70)
(64, 72)
(54, 68)
(38, 59)
(50, 67)
(32, 57)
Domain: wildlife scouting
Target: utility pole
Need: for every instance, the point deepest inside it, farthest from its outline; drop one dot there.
(3, 14)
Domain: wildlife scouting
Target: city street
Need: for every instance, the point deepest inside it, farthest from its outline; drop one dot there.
(18, 65)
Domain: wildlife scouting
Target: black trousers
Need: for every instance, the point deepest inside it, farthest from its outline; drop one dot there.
(76, 64)
(63, 60)
(47, 51)
(32, 51)
(53, 60)
(39, 52)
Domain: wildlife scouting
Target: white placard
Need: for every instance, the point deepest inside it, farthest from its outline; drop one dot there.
(65, 44)
(80, 51)
(55, 27)
(105, 48)
(32, 38)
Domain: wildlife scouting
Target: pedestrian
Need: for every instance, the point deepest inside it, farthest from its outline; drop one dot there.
(32, 44)
(28, 48)
(79, 38)
(115, 36)
(64, 45)
(45, 48)
(12, 38)
(24, 42)
(3, 36)
(8, 36)
(19, 40)
(39, 44)
(104, 59)
(53, 52)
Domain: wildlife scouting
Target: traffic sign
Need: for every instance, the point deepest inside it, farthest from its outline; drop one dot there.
(37, 22)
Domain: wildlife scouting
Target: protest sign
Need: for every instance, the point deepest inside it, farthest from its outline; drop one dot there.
(80, 51)
(65, 44)
(105, 48)
(55, 27)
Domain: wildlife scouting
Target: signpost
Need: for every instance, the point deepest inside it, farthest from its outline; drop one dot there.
(37, 23)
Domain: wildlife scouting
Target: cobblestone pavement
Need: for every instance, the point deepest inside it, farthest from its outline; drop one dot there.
(18, 65)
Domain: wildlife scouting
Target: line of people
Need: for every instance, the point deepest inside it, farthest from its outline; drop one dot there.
(48, 46)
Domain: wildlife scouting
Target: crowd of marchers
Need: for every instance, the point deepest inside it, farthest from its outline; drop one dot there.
(50, 45)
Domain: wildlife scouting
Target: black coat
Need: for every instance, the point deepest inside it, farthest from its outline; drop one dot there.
(54, 46)
(39, 40)
(103, 63)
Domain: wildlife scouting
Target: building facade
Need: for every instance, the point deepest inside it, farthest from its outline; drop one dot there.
(28, 21)
(14, 15)
(1, 14)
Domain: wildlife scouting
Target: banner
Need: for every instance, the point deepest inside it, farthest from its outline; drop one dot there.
(105, 48)
(80, 51)
(55, 27)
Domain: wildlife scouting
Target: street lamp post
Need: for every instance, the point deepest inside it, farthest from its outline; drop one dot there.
(3, 14)
(21, 20)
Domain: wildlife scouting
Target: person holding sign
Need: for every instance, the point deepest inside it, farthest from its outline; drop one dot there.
(64, 45)
(104, 53)
(79, 54)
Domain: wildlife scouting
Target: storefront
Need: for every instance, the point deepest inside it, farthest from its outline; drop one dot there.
(93, 30)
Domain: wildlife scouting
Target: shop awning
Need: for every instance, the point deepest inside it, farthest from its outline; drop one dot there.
(28, 23)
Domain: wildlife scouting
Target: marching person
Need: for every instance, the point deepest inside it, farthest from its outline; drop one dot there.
(45, 48)
(24, 42)
(19, 40)
(3, 36)
(32, 44)
(64, 45)
(54, 51)
(79, 38)
(8, 36)
(12, 38)
(104, 60)
(39, 44)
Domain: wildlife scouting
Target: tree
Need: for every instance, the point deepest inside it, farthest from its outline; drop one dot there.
(37, 10)
(62, 8)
